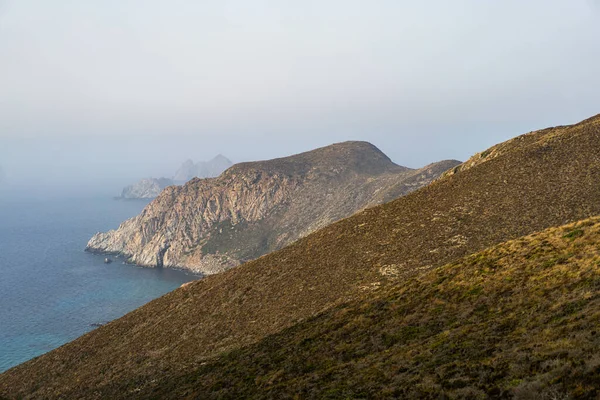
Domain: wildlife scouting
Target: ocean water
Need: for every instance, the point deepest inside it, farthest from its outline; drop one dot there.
(51, 291)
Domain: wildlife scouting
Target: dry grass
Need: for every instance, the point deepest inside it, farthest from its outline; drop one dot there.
(518, 320)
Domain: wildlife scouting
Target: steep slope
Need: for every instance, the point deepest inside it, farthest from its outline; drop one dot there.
(210, 225)
(148, 188)
(545, 182)
(520, 319)
(543, 138)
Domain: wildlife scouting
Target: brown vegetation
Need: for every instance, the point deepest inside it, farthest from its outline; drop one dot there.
(518, 320)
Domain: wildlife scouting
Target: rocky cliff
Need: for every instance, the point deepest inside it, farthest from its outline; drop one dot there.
(146, 188)
(210, 225)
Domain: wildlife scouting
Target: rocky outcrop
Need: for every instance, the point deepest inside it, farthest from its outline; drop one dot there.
(210, 225)
(146, 188)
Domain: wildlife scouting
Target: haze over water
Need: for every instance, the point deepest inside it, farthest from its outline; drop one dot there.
(107, 92)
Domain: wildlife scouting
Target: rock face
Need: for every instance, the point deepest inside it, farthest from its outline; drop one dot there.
(146, 188)
(210, 225)
(202, 169)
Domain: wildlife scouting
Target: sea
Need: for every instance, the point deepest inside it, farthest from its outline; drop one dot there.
(51, 290)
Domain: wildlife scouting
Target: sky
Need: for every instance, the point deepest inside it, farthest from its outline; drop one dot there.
(96, 94)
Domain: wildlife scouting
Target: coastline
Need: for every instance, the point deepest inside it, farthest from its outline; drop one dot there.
(125, 260)
(70, 288)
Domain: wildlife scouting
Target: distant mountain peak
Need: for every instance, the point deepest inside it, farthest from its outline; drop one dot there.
(202, 169)
(150, 188)
(220, 157)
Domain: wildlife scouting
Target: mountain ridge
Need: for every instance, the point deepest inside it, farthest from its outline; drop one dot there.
(542, 136)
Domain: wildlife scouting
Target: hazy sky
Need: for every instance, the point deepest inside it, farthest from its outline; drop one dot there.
(113, 90)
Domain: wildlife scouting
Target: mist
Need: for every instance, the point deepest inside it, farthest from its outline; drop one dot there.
(95, 95)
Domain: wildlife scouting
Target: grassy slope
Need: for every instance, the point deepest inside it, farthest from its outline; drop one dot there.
(522, 318)
(545, 179)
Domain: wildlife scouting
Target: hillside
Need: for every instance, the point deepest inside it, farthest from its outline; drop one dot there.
(520, 319)
(210, 225)
(548, 178)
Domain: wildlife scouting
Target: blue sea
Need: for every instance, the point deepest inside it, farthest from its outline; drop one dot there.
(51, 291)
